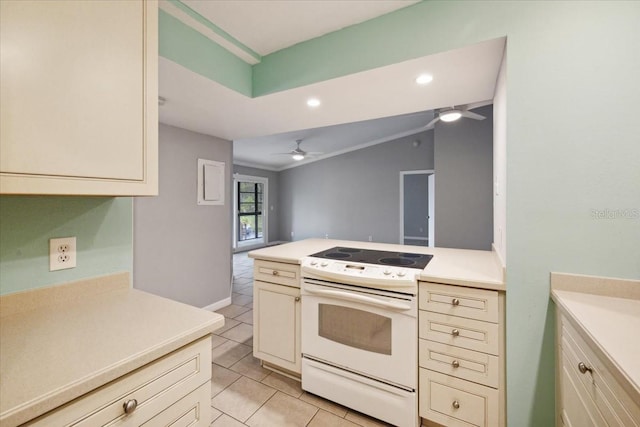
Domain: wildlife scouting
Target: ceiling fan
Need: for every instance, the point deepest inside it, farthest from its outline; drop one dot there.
(298, 153)
(454, 113)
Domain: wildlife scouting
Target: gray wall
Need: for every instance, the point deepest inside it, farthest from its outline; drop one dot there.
(351, 196)
(463, 182)
(182, 251)
(273, 226)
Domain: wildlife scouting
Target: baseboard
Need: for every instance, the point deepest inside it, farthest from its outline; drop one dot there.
(218, 305)
(238, 250)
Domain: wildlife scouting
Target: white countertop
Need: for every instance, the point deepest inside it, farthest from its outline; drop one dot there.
(450, 266)
(53, 353)
(611, 323)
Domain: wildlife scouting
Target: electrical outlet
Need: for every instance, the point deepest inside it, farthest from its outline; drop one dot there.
(62, 253)
(371, 238)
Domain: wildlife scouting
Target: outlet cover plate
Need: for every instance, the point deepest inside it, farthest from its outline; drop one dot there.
(62, 253)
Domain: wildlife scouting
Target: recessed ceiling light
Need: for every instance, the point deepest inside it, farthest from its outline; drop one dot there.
(450, 116)
(313, 102)
(424, 79)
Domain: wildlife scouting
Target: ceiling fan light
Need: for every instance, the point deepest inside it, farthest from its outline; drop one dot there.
(450, 116)
(313, 102)
(424, 79)
(297, 156)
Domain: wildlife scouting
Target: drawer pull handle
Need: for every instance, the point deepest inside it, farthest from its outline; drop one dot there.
(584, 368)
(297, 299)
(130, 406)
(455, 332)
(455, 301)
(275, 272)
(455, 364)
(455, 404)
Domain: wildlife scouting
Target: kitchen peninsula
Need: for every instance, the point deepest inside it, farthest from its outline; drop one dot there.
(463, 267)
(445, 318)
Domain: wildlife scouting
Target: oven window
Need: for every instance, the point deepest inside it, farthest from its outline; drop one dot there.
(356, 328)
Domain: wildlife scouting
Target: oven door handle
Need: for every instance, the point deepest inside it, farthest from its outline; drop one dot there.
(348, 296)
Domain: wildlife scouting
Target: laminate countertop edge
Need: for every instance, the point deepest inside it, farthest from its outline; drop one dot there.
(53, 354)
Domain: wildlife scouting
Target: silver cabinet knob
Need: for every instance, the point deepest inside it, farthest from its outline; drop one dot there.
(455, 404)
(297, 299)
(455, 332)
(455, 364)
(275, 272)
(584, 368)
(455, 301)
(130, 406)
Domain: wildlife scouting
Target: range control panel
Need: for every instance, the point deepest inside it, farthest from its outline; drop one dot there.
(356, 272)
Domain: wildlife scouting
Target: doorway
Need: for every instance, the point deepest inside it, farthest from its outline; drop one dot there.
(249, 213)
(417, 208)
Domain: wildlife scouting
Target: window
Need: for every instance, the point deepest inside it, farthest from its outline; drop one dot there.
(250, 218)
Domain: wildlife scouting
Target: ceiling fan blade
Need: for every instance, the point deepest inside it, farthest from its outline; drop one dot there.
(432, 123)
(314, 153)
(472, 115)
(474, 105)
(282, 154)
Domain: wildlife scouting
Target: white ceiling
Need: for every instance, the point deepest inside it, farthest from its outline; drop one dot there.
(268, 26)
(193, 102)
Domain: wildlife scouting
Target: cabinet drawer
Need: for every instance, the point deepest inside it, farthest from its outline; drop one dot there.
(478, 304)
(461, 363)
(155, 387)
(277, 272)
(578, 409)
(192, 410)
(459, 332)
(614, 403)
(457, 403)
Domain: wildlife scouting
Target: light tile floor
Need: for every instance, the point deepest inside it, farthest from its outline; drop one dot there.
(245, 394)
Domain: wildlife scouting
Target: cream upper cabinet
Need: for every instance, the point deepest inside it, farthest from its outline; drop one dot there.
(79, 97)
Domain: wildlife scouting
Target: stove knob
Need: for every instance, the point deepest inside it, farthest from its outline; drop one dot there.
(324, 264)
(401, 273)
(386, 272)
(313, 262)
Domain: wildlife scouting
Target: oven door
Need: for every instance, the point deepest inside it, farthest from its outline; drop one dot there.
(362, 331)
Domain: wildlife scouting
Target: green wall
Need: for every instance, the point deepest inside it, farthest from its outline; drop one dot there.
(573, 144)
(102, 226)
(184, 45)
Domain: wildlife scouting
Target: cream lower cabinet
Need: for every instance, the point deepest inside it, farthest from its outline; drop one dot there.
(174, 390)
(461, 356)
(590, 394)
(79, 97)
(276, 316)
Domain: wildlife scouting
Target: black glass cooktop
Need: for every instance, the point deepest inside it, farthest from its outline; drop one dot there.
(368, 256)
